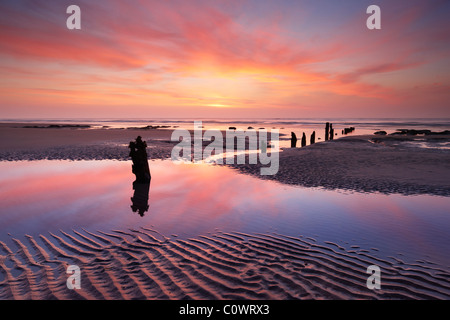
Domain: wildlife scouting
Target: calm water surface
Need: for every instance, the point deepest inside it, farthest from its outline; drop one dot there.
(188, 200)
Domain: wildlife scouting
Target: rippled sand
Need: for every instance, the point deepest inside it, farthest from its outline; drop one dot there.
(144, 264)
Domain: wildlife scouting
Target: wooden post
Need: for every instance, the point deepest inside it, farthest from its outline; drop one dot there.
(313, 138)
(138, 155)
(293, 140)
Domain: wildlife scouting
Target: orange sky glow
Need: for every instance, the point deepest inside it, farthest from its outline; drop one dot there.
(224, 59)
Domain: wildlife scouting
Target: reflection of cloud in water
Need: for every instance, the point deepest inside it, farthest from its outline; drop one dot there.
(189, 199)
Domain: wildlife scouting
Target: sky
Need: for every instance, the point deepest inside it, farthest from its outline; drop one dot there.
(224, 59)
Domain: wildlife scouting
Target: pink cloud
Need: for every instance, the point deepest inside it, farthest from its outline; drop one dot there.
(156, 49)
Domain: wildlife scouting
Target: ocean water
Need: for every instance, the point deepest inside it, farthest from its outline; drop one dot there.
(363, 123)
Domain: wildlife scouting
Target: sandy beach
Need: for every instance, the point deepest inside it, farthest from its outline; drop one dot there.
(144, 264)
(372, 163)
(369, 163)
(224, 150)
(19, 143)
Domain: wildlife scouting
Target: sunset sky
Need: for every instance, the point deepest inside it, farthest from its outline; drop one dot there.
(252, 59)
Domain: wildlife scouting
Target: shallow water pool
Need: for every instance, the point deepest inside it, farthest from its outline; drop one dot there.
(187, 200)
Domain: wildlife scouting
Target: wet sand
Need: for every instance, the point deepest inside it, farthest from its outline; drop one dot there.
(19, 143)
(361, 163)
(144, 264)
(367, 164)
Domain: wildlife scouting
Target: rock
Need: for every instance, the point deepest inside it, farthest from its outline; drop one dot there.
(411, 132)
(382, 133)
(59, 126)
(444, 133)
(348, 130)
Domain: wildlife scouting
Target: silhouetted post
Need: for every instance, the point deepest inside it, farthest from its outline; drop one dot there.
(293, 140)
(331, 131)
(138, 155)
(303, 140)
(327, 130)
(313, 138)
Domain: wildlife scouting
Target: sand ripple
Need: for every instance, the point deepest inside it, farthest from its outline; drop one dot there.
(143, 264)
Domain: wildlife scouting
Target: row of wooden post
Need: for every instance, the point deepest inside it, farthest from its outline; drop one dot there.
(312, 140)
(329, 131)
(329, 135)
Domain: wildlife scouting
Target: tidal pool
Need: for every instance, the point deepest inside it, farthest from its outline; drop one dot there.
(187, 200)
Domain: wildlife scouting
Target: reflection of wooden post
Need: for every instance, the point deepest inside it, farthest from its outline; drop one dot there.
(293, 140)
(327, 129)
(140, 197)
(303, 140)
(138, 155)
(313, 138)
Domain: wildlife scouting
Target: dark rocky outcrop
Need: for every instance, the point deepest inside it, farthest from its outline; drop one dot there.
(414, 132)
(59, 126)
(348, 130)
